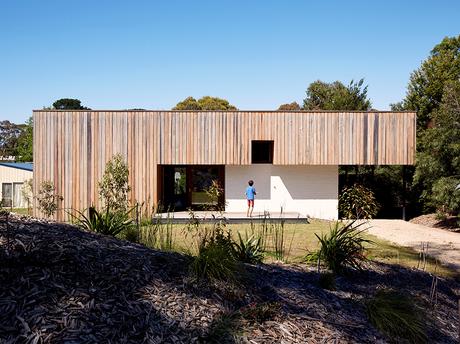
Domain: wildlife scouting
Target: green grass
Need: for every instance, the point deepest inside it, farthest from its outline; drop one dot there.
(300, 239)
(20, 211)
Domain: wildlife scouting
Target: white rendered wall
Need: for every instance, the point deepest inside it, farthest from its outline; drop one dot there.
(309, 190)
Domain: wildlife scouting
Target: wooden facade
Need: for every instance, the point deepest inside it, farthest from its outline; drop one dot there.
(71, 148)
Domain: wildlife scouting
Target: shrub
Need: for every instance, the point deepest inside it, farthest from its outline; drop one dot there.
(248, 250)
(396, 315)
(131, 234)
(107, 222)
(214, 192)
(327, 281)
(357, 202)
(343, 247)
(446, 195)
(114, 188)
(48, 199)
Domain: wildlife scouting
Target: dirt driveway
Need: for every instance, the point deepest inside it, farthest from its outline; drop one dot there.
(442, 244)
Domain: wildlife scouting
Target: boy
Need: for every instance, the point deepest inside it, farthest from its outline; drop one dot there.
(250, 193)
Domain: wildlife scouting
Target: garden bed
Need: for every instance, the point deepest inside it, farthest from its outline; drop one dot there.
(61, 284)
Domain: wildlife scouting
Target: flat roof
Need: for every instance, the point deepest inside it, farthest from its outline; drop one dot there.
(27, 166)
(241, 111)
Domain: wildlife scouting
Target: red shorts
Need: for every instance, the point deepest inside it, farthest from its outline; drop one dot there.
(250, 203)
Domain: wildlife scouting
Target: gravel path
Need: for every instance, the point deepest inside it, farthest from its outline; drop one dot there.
(442, 244)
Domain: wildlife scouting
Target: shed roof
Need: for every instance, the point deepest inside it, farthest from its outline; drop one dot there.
(27, 166)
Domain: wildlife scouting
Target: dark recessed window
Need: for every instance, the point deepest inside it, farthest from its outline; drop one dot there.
(262, 152)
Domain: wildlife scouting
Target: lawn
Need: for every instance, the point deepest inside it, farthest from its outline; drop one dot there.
(289, 242)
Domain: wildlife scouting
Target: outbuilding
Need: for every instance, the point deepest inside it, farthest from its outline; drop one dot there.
(13, 176)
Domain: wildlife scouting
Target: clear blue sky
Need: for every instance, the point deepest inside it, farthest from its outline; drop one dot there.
(257, 54)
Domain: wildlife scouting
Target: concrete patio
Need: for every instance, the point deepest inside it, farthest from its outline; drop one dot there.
(232, 217)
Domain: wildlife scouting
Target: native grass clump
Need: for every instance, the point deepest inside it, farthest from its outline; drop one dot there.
(342, 248)
(357, 202)
(397, 316)
(105, 222)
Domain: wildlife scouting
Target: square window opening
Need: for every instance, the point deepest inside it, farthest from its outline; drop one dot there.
(262, 152)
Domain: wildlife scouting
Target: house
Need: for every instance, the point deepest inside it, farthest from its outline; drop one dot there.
(13, 175)
(173, 156)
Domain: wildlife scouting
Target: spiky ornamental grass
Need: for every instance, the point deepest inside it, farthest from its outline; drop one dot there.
(248, 250)
(342, 248)
(396, 315)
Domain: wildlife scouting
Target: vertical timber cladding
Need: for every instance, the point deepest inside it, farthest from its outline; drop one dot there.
(71, 148)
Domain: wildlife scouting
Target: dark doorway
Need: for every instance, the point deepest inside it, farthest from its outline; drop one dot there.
(190, 187)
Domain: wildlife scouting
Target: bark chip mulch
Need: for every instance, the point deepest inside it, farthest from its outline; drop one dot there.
(59, 284)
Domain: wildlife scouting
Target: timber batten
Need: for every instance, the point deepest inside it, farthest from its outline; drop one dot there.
(71, 148)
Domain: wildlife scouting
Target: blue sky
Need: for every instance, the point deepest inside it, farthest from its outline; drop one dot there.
(256, 54)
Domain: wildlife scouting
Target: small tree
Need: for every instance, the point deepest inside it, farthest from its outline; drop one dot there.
(114, 188)
(357, 202)
(27, 192)
(48, 199)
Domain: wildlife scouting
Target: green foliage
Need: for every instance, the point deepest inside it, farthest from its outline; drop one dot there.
(106, 222)
(396, 315)
(337, 96)
(342, 248)
(327, 281)
(427, 84)
(158, 235)
(215, 259)
(131, 234)
(438, 162)
(446, 195)
(248, 250)
(357, 202)
(9, 137)
(114, 188)
(68, 104)
(294, 106)
(24, 151)
(47, 198)
(214, 262)
(214, 193)
(204, 103)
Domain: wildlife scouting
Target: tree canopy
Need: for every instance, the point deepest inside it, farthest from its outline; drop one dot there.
(336, 96)
(68, 104)
(427, 83)
(24, 151)
(204, 103)
(294, 106)
(9, 135)
(438, 162)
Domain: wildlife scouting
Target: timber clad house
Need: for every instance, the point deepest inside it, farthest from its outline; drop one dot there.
(173, 156)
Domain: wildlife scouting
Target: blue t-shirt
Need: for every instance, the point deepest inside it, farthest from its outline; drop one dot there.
(250, 192)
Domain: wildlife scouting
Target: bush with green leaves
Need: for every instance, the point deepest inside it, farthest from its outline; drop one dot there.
(114, 187)
(47, 198)
(342, 248)
(445, 195)
(357, 202)
(396, 316)
(248, 250)
(105, 222)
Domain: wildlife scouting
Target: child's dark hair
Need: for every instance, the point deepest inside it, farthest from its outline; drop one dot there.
(251, 182)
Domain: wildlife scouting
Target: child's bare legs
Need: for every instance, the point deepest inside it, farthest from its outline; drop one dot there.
(250, 208)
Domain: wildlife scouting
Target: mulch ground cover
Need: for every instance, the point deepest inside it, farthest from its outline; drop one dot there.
(59, 284)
